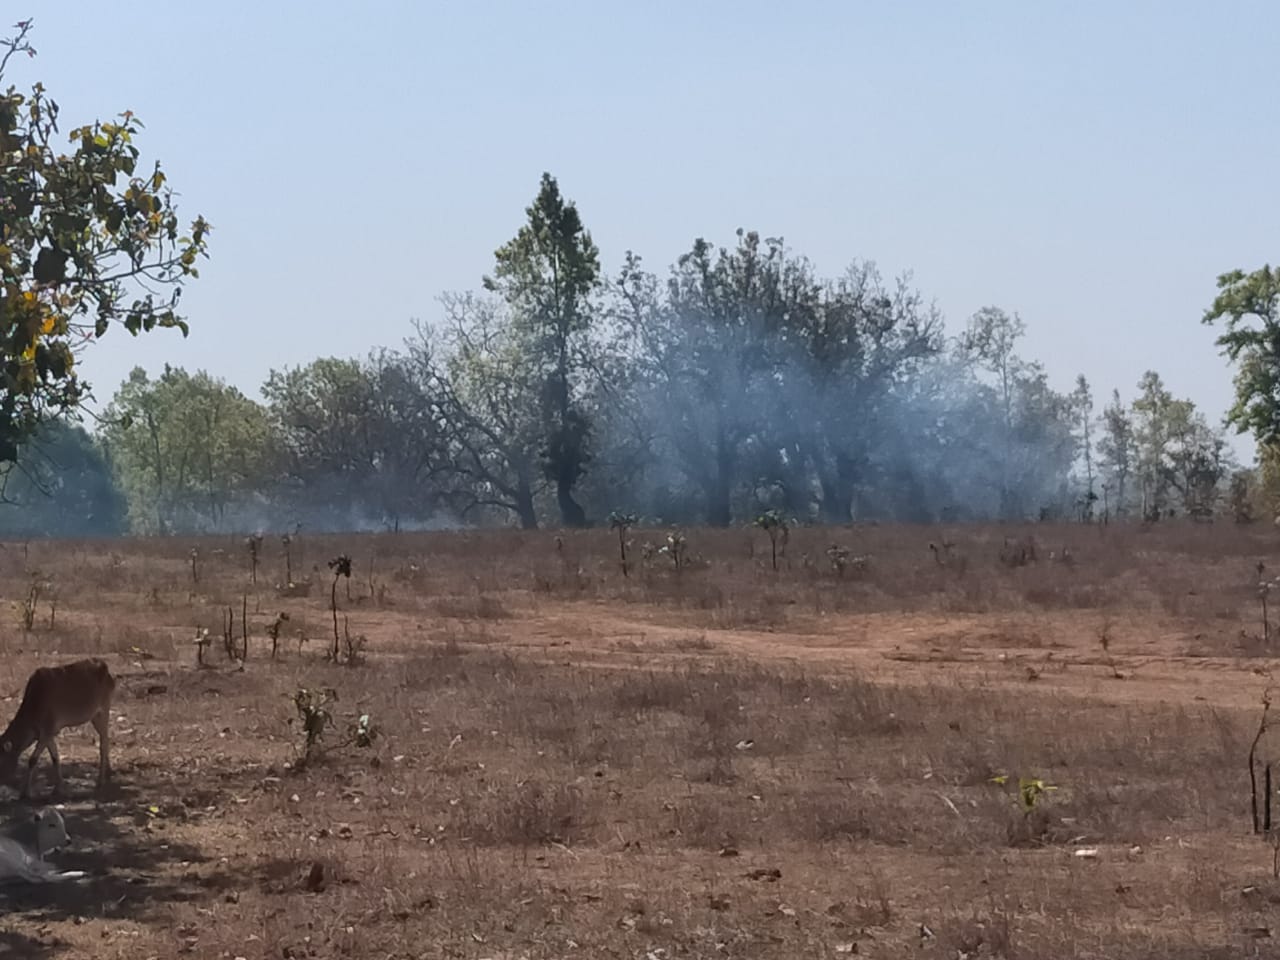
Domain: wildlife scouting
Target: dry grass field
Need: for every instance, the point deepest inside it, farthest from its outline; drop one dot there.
(720, 761)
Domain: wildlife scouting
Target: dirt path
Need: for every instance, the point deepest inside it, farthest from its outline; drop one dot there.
(1148, 660)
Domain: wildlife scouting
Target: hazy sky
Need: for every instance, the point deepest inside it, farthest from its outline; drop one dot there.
(1093, 166)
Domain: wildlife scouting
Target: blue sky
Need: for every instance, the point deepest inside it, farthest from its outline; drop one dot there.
(1092, 166)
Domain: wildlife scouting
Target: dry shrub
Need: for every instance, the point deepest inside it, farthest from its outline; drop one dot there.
(697, 643)
(522, 814)
(651, 763)
(1067, 596)
(833, 813)
(649, 691)
(450, 664)
(983, 934)
(475, 606)
(707, 819)
(863, 709)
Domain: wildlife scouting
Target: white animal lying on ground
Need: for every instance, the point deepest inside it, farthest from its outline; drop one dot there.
(44, 831)
(23, 845)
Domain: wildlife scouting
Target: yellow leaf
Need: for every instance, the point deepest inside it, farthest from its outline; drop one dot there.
(50, 324)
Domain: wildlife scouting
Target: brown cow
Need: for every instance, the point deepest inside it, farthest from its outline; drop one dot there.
(56, 698)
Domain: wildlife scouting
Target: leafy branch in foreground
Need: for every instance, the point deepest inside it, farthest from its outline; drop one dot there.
(87, 238)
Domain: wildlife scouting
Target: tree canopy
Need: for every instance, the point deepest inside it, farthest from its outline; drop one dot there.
(736, 382)
(1248, 307)
(89, 237)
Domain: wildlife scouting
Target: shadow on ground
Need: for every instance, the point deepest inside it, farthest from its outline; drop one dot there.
(131, 868)
(18, 946)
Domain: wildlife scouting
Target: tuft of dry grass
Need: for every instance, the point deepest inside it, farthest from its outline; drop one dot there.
(723, 760)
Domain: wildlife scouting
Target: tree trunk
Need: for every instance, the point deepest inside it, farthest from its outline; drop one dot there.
(837, 489)
(565, 439)
(571, 512)
(719, 512)
(524, 506)
(835, 500)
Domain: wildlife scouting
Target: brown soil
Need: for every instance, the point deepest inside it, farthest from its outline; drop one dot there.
(721, 761)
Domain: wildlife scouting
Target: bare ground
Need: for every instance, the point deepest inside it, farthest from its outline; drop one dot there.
(721, 761)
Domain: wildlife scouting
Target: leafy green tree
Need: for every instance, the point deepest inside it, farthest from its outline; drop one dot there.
(1117, 452)
(548, 274)
(62, 486)
(1082, 408)
(764, 384)
(186, 447)
(1269, 480)
(990, 340)
(1154, 411)
(1197, 462)
(357, 435)
(707, 344)
(1045, 443)
(860, 339)
(1180, 458)
(1248, 306)
(87, 239)
(1032, 427)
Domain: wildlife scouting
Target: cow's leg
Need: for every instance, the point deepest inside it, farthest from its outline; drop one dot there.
(25, 792)
(101, 723)
(57, 767)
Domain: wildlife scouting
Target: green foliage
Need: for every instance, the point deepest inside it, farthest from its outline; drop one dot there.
(1032, 417)
(753, 369)
(1268, 492)
(1248, 307)
(360, 433)
(184, 447)
(1117, 450)
(87, 239)
(1241, 494)
(1031, 791)
(1180, 460)
(547, 274)
(1082, 407)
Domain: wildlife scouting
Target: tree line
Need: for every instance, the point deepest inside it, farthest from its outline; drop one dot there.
(734, 381)
(738, 380)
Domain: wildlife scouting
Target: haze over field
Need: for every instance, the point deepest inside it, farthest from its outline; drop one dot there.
(1092, 168)
(528, 553)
